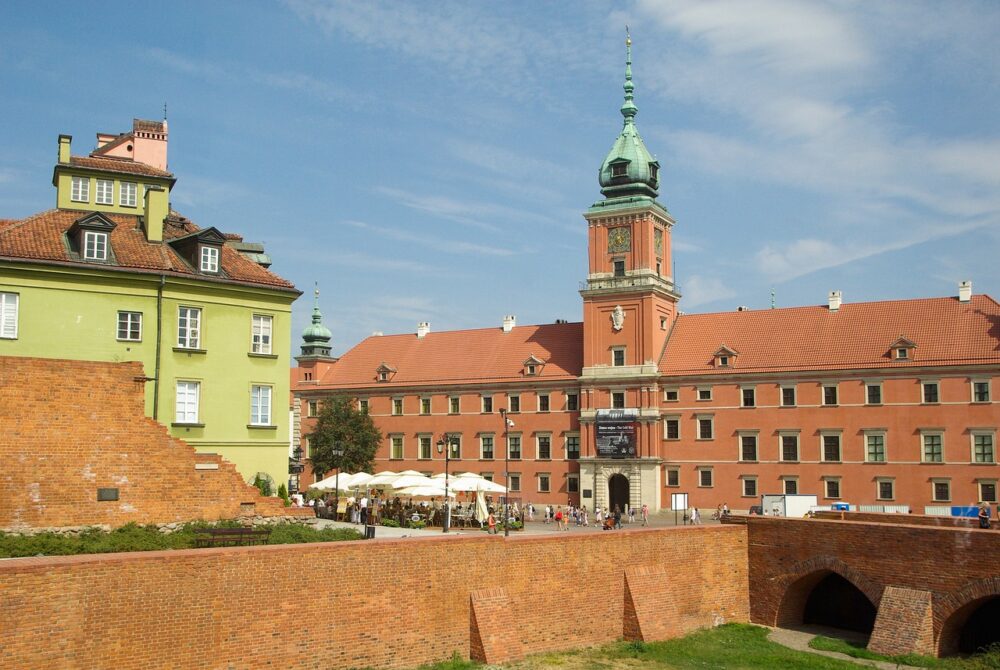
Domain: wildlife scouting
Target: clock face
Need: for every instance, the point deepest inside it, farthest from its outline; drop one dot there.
(619, 239)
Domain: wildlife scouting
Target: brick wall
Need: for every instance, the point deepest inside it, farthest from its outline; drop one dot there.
(908, 519)
(953, 565)
(378, 603)
(68, 428)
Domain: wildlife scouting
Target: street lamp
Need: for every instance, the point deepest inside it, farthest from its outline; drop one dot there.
(337, 452)
(507, 423)
(444, 444)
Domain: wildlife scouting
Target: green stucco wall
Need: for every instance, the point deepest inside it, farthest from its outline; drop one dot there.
(67, 312)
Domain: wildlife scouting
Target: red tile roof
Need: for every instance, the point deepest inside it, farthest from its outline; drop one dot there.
(462, 356)
(122, 165)
(858, 335)
(41, 237)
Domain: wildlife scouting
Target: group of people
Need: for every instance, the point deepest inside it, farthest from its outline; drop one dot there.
(984, 515)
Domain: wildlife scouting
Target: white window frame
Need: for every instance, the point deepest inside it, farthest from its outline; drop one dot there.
(514, 482)
(261, 396)
(188, 327)
(923, 445)
(482, 446)
(885, 445)
(666, 477)
(823, 434)
(396, 439)
(363, 405)
(614, 357)
(782, 434)
(261, 327)
(878, 487)
(80, 189)
(826, 488)
(881, 394)
(739, 445)
(514, 399)
(425, 445)
(973, 434)
(988, 482)
(836, 393)
(753, 396)
(95, 245)
(187, 396)
(9, 303)
(677, 394)
(792, 480)
(126, 193)
(130, 321)
(940, 480)
(749, 480)
(538, 446)
(546, 478)
(312, 408)
(209, 258)
(572, 402)
(572, 483)
(706, 389)
(398, 406)
(425, 403)
(711, 477)
(615, 404)
(666, 428)
(547, 402)
(923, 392)
(566, 441)
(972, 390)
(454, 404)
(486, 399)
(104, 192)
(795, 395)
(511, 437)
(711, 424)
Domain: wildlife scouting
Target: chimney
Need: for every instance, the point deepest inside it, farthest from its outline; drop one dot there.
(964, 291)
(156, 206)
(742, 308)
(509, 323)
(64, 142)
(835, 297)
(423, 328)
(376, 333)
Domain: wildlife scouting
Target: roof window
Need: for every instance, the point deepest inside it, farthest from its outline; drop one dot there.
(724, 357)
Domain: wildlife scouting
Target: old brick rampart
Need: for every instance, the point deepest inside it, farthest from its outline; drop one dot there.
(950, 569)
(377, 603)
(905, 519)
(69, 428)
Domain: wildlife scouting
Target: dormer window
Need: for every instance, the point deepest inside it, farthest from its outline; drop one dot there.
(902, 349)
(95, 246)
(384, 373)
(654, 171)
(209, 259)
(619, 169)
(533, 366)
(724, 357)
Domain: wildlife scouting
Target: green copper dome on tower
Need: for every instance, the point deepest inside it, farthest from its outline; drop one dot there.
(316, 337)
(629, 168)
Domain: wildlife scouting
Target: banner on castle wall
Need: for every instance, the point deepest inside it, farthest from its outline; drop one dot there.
(616, 433)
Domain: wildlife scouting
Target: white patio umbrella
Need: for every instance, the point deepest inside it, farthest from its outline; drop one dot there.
(426, 492)
(359, 479)
(407, 481)
(382, 479)
(330, 483)
(490, 487)
(481, 511)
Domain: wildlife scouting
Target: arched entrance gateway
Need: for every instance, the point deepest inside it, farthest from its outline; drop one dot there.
(971, 627)
(825, 597)
(618, 492)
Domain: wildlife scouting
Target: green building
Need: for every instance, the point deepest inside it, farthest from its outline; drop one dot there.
(113, 273)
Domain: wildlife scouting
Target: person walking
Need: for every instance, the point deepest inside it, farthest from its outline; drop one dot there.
(984, 516)
(599, 516)
(645, 514)
(695, 517)
(491, 521)
(618, 518)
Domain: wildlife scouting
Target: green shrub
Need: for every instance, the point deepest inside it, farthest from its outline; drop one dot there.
(390, 523)
(417, 524)
(283, 494)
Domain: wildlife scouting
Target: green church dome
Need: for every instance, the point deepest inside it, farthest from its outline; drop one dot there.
(629, 168)
(316, 337)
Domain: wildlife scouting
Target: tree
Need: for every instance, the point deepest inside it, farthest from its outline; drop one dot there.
(340, 424)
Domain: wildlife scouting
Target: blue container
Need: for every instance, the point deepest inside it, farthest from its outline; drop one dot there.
(970, 511)
(841, 507)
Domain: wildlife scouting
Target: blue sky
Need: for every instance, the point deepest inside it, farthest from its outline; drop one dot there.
(431, 161)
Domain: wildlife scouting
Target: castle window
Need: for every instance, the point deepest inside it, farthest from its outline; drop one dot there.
(453, 405)
(105, 192)
(619, 169)
(830, 395)
(873, 394)
(80, 191)
(941, 490)
(95, 246)
(397, 406)
(572, 402)
(875, 447)
(749, 487)
(930, 392)
(618, 357)
(654, 171)
(980, 390)
(618, 400)
(791, 485)
(902, 354)
(886, 489)
(543, 402)
(126, 194)
(572, 447)
(749, 398)
(209, 259)
(671, 428)
(832, 488)
(619, 266)
(706, 428)
(788, 396)
(425, 405)
(933, 447)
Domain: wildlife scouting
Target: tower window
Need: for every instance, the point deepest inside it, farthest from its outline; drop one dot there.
(654, 171)
(619, 169)
(619, 266)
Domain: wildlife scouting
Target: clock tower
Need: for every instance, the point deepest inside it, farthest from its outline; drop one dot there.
(629, 306)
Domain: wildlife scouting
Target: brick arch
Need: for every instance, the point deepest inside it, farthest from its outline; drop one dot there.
(952, 611)
(796, 585)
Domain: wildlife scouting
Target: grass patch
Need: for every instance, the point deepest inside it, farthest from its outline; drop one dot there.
(988, 660)
(133, 537)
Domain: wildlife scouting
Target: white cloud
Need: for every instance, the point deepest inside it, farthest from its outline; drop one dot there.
(432, 242)
(699, 290)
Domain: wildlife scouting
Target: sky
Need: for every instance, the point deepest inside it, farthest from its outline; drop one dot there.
(432, 161)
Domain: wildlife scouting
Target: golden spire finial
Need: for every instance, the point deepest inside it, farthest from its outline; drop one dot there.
(628, 38)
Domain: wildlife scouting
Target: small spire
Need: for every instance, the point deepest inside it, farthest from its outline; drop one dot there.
(164, 111)
(772, 298)
(629, 109)
(316, 293)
